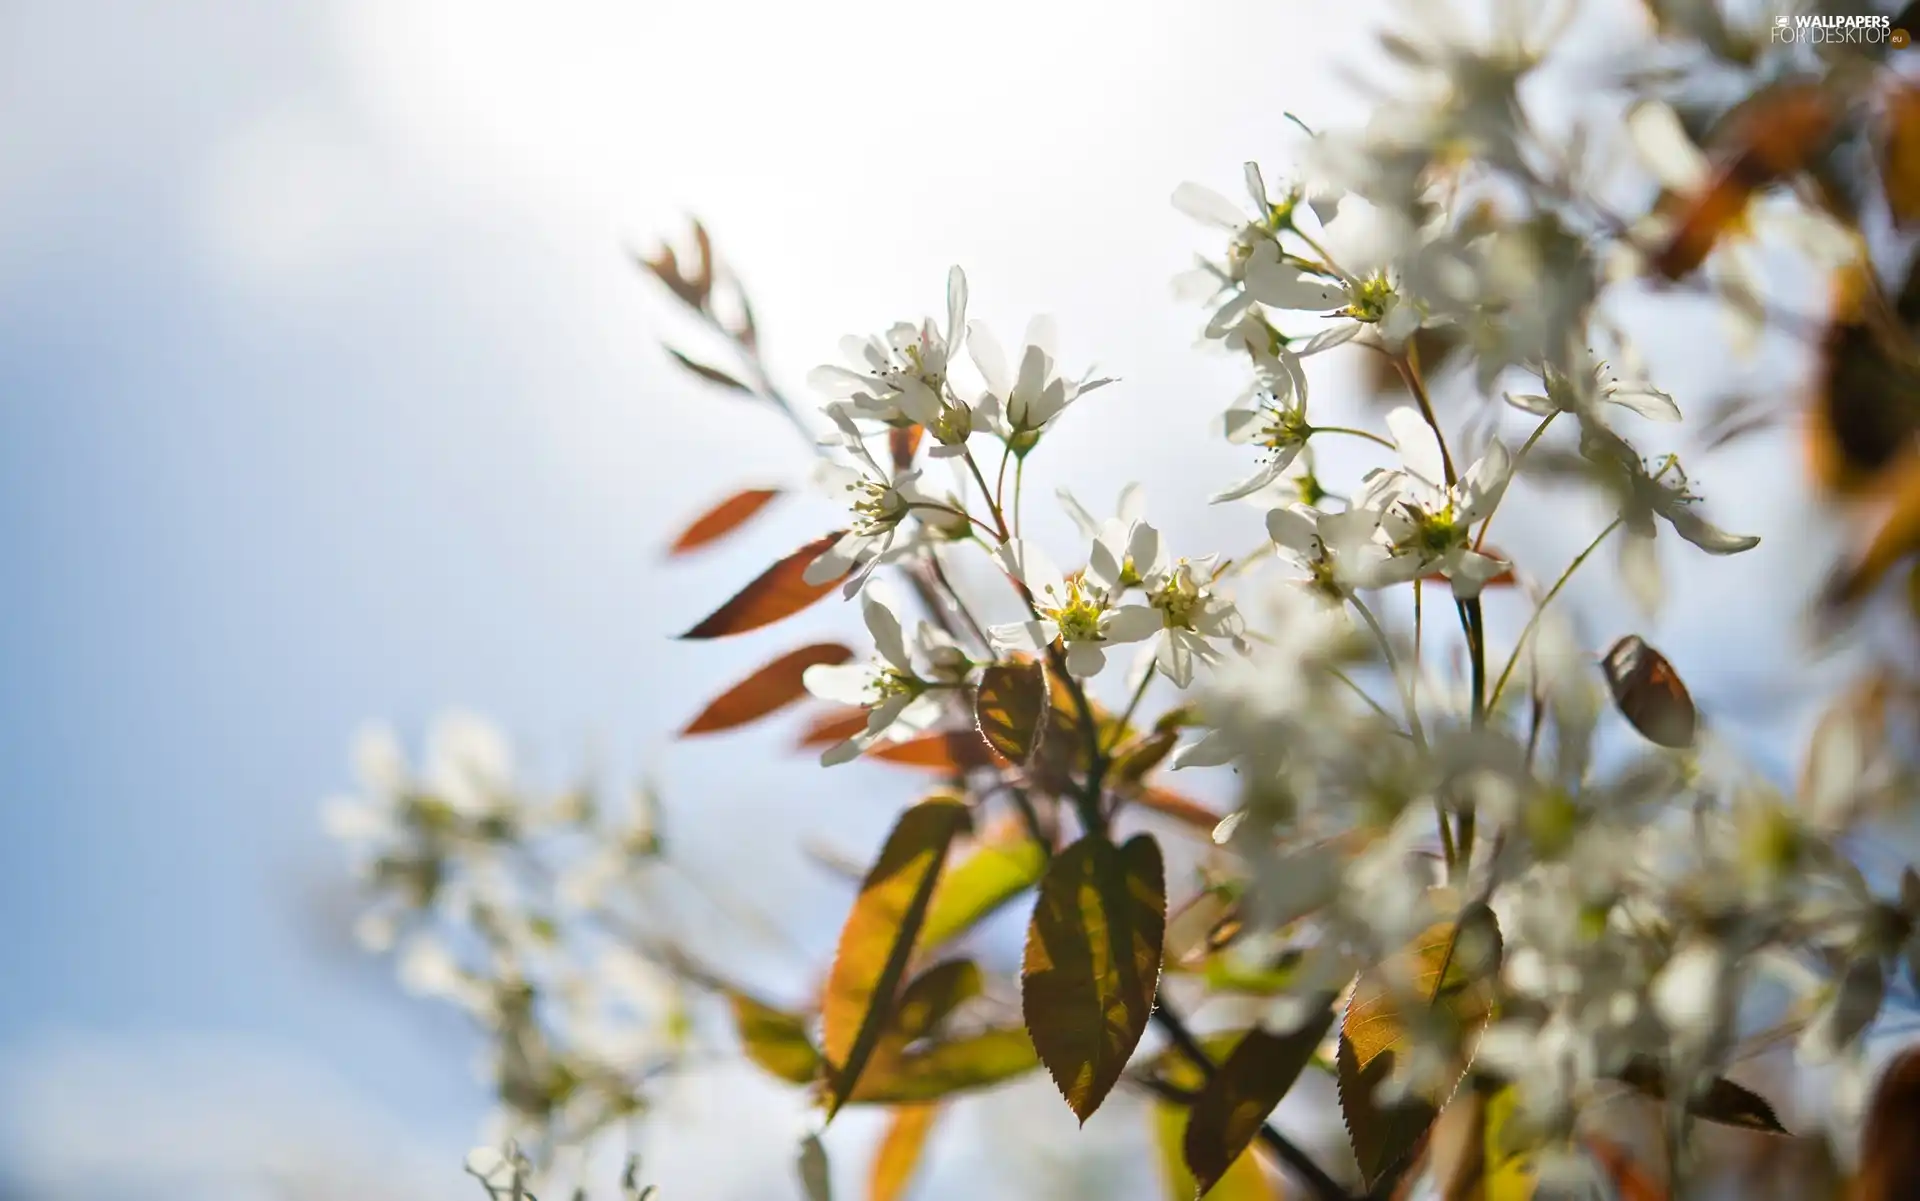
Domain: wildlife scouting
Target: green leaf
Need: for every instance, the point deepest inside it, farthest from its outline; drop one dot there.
(933, 996)
(1010, 708)
(1722, 1101)
(1450, 981)
(979, 885)
(1232, 1106)
(879, 936)
(900, 1151)
(943, 1069)
(776, 1041)
(1093, 963)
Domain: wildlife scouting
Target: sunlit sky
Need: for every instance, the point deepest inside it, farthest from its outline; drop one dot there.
(328, 392)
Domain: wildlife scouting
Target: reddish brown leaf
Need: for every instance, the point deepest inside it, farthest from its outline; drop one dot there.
(722, 519)
(1889, 1155)
(1185, 809)
(1010, 709)
(904, 441)
(1900, 154)
(1629, 1182)
(768, 690)
(780, 591)
(936, 751)
(832, 727)
(1776, 134)
(900, 1150)
(1649, 692)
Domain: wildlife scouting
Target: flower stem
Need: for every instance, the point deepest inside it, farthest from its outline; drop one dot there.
(1350, 431)
(1146, 678)
(1517, 456)
(1393, 665)
(990, 495)
(1527, 633)
(1019, 479)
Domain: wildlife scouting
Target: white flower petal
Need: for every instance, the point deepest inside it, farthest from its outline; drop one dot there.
(984, 349)
(1132, 623)
(1025, 561)
(1026, 636)
(1327, 339)
(846, 683)
(1419, 448)
(1651, 403)
(1268, 472)
(956, 311)
(1707, 536)
(1664, 146)
(888, 638)
(1082, 520)
(836, 559)
(1293, 528)
(1085, 659)
(1206, 205)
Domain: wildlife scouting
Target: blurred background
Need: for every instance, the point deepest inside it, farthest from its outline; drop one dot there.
(329, 393)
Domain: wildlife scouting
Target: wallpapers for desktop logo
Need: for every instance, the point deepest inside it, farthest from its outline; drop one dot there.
(1824, 29)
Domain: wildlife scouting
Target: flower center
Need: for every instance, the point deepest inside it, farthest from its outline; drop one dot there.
(1078, 616)
(1285, 429)
(877, 508)
(1433, 534)
(1370, 299)
(890, 681)
(1180, 598)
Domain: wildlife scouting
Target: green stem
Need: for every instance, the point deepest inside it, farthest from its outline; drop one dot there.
(1351, 432)
(1019, 479)
(1120, 728)
(990, 495)
(1393, 665)
(1500, 685)
(1517, 457)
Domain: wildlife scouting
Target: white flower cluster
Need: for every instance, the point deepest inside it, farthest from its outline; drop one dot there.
(1402, 765)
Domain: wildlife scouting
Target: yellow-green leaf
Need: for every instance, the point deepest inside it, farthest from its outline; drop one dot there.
(1233, 1105)
(944, 1068)
(1450, 979)
(977, 886)
(1133, 762)
(1512, 1172)
(1092, 963)
(879, 936)
(933, 996)
(1244, 1181)
(1010, 708)
(900, 1150)
(776, 1041)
